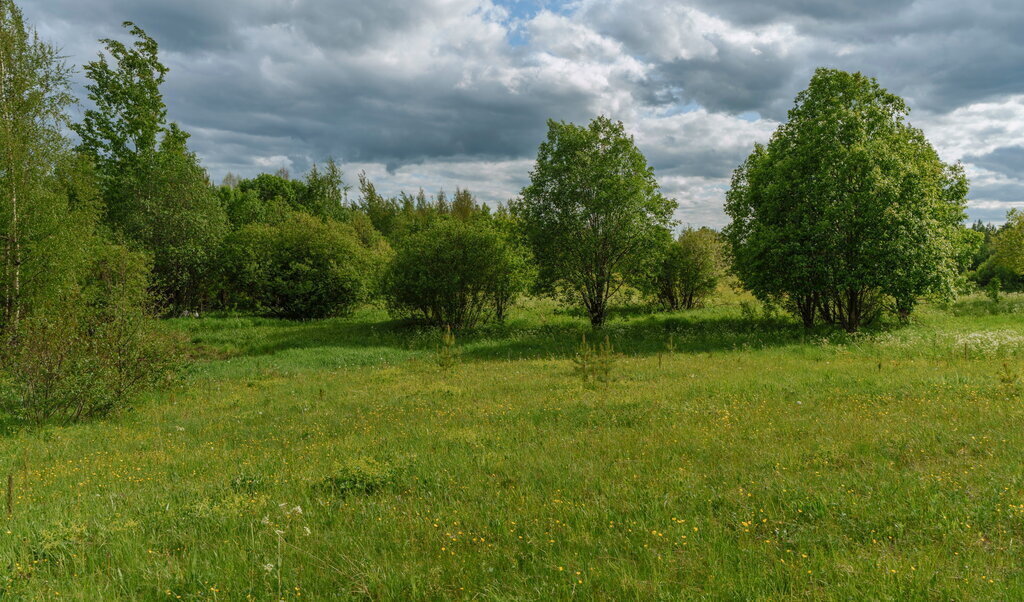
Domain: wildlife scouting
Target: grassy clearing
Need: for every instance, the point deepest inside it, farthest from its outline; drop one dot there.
(337, 459)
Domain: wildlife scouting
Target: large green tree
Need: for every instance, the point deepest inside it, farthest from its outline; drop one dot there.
(157, 196)
(122, 131)
(593, 212)
(848, 209)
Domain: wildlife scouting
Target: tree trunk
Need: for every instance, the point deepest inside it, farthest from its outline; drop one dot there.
(15, 311)
(853, 310)
(12, 305)
(807, 306)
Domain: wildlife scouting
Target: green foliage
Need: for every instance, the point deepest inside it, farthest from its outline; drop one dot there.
(991, 268)
(592, 212)
(303, 267)
(447, 354)
(986, 265)
(689, 270)
(157, 196)
(456, 274)
(400, 217)
(92, 353)
(182, 224)
(325, 192)
(123, 129)
(1009, 378)
(274, 188)
(77, 341)
(40, 250)
(841, 243)
(1008, 243)
(993, 288)
(594, 363)
(362, 476)
(269, 197)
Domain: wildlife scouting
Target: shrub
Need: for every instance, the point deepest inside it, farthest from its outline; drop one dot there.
(456, 274)
(992, 289)
(303, 267)
(362, 476)
(689, 269)
(92, 353)
(594, 362)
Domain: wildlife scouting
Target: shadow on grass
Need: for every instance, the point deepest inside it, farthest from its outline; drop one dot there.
(637, 332)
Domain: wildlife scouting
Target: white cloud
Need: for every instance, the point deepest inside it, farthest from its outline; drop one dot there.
(273, 163)
(978, 128)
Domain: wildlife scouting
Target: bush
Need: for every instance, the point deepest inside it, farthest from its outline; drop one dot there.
(457, 274)
(91, 354)
(303, 267)
(689, 269)
(362, 476)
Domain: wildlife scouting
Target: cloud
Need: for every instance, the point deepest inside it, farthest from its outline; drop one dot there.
(457, 92)
(1007, 160)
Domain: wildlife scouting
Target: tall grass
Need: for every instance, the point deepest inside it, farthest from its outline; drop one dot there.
(334, 460)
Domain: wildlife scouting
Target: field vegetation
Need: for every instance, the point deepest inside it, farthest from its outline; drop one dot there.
(282, 387)
(730, 453)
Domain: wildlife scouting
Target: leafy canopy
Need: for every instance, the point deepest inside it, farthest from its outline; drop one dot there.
(689, 269)
(848, 208)
(457, 273)
(593, 212)
(157, 195)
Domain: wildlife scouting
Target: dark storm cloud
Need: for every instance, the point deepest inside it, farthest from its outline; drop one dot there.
(940, 53)
(1008, 161)
(752, 12)
(734, 81)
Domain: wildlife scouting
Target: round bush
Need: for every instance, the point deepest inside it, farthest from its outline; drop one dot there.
(456, 274)
(689, 270)
(301, 268)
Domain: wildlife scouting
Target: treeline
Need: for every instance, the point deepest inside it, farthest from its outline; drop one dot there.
(846, 214)
(997, 264)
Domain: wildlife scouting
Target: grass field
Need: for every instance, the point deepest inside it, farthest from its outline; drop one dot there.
(336, 459)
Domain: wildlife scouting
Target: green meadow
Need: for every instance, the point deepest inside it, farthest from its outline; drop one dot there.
(729, 454)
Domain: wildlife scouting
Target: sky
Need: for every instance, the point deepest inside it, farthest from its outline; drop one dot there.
(444, 93)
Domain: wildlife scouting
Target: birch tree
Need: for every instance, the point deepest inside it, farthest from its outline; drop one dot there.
(34, 99)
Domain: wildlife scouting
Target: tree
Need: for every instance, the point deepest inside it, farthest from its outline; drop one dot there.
(848, 208)
(182, 225)
(157, 196)
(325, 192)
(121, 133)
(38, 228)
(456, 274)
(383, 212)
(76, 339)
(689, 269)
(1008, 243)
(592, 213)
(303, 267)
